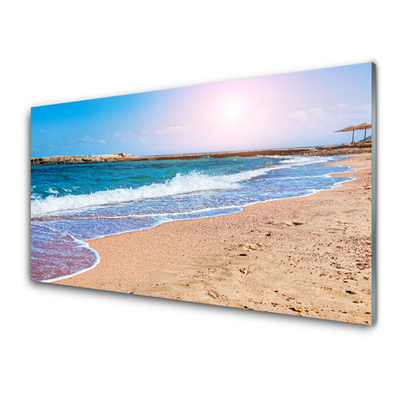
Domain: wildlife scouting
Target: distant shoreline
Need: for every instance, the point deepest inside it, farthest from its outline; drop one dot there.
(306, 151)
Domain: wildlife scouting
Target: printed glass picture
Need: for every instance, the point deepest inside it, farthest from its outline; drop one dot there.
(254, 193)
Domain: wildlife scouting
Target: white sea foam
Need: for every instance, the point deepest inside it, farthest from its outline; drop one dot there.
(301, 160)
(180, 184)
(327, 176)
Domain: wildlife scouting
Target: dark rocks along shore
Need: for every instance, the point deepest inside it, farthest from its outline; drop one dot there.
(345, 149)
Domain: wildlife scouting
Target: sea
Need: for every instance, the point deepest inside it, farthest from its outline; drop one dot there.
(73, 203)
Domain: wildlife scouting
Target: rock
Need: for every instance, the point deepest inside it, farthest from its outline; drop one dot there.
(79, 159)
(350, 292)
(248, 246)
(297, 309)
(213, 294)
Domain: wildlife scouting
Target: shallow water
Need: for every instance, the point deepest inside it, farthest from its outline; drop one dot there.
(73, 203)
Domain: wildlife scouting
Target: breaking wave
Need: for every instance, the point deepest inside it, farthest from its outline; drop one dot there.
(180, 184)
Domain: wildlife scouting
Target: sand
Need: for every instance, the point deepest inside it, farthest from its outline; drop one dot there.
(308, 256)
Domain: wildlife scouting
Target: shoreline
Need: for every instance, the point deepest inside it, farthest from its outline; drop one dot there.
(305, 151)
(239, 209)
(237, 259)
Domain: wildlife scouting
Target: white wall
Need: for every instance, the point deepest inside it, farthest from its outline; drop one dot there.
(73, 343)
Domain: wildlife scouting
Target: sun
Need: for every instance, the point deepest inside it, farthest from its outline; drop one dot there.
(233, 110)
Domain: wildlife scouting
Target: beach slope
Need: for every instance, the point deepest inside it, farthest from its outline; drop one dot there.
(307, 256)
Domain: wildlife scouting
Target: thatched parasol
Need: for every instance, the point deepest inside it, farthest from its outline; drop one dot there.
(365, 126)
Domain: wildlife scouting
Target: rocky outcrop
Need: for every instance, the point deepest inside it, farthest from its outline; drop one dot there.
(359, 147)
(82, 159)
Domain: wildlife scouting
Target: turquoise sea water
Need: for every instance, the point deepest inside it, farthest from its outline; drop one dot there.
(74, 203)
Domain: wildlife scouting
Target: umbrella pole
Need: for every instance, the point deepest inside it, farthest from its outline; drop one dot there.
(352, 139)
(365, 133)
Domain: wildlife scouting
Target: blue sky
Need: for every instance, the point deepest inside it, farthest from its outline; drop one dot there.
(289, 110)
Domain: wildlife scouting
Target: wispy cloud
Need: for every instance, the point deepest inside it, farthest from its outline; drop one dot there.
(328, 119)
(172, 129)
(306, 115)
(165, 130)
(121, 136)
(86, 138)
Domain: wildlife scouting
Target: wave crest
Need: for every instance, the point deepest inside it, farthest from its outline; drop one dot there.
(180, 184)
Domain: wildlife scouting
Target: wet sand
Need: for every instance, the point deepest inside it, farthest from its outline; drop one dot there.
(307, 256)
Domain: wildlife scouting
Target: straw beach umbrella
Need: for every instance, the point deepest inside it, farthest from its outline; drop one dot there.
(365, 126)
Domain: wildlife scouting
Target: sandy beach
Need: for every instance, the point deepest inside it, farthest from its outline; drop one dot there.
(307, 256)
